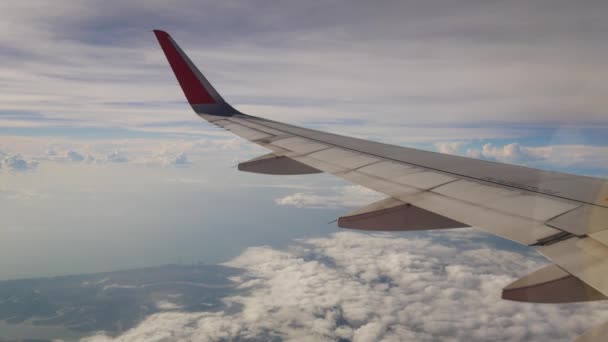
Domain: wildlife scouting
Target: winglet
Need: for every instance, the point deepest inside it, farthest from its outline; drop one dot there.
(201, 95)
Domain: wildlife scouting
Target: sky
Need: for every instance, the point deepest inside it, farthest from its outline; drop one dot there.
(104, 166)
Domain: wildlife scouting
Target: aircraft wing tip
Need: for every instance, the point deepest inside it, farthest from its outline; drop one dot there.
(158, 32)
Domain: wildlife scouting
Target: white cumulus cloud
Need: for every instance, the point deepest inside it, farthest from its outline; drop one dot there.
(178, 160)
(442, 286)
(513, 152)
(449, 147)
(116, 157)
(17, 162)
(332, 198)
(551, 156)
(74, 156)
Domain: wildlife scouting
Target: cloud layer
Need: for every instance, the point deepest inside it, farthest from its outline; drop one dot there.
(574, 158)
(35, 151)
(357, 287)
(462, 62)
(332, 198)
(16, 162)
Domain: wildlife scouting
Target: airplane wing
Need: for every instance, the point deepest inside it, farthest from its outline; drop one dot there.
(564, 216)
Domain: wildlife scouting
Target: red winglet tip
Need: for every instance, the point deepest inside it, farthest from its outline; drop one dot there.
(193, 88)
(160, 33)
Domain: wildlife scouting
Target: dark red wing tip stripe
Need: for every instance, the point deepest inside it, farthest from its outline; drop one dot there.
(192, 87)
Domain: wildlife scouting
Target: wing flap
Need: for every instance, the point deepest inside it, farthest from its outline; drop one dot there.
(346, 159)
(378, 184)
(513, 202)
(299, 145)
(585, 258)
(424, 179)
(256, 126)
(393, 215)
(245, 132)
(585, 220)
(271, 164)
(321, 165)
(388, 169)
(550, 284)
(516, 228)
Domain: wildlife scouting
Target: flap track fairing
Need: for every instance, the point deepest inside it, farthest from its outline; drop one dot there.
(393, 215)
(550, 284)
(271, 164)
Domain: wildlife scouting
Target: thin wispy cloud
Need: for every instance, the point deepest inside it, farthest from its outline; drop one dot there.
(495, 62)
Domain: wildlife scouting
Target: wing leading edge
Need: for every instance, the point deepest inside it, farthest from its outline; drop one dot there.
(565, 216)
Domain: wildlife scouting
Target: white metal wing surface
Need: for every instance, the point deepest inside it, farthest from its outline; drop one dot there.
(564, 216)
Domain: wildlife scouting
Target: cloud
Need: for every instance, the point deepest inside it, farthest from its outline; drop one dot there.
(74, 156)
(116, 157)
(167, 305)
(332, 198)
(191, 181)
(560, 157)
(586, 156)
(426, 287)
(152, 152)
(179, 160)
(452, 147)
(16, 162)
(513, 152)
(23, 194)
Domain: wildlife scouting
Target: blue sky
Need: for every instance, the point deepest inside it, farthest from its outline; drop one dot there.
(102, 158)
